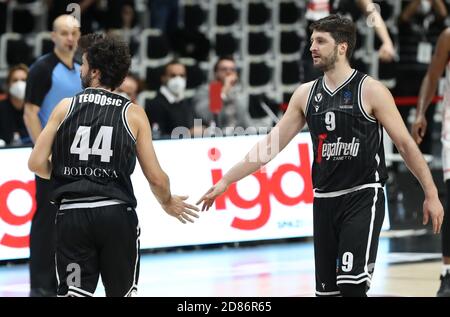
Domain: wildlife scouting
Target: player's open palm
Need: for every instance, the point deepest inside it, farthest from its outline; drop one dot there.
(210, 196)
(178, 208)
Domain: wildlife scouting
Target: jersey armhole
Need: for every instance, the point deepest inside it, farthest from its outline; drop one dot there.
(125, 121)
(313, 87)
(69, 111)
(360, 101)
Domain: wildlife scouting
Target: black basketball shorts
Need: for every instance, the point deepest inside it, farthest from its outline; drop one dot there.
(346, 232)
(94, 241)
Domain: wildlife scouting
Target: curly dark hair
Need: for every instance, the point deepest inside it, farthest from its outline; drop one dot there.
(110, 55)
(340, 28)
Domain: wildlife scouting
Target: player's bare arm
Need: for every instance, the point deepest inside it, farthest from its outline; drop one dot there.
(429, 84)
(31, 119)
(379, 103)
(158, 180)
(39, 161)
(289, 126)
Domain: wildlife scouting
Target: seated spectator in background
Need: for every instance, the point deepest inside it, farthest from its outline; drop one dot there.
(12, 127)
(170, 109)
(121, 21)
(234, 112)
(130, 87)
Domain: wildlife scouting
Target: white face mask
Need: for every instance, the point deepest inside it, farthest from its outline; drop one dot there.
(425, 6)
(177, 85)
(17, 89)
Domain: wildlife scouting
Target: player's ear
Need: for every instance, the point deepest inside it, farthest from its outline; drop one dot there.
(342, 47)
(95, 72)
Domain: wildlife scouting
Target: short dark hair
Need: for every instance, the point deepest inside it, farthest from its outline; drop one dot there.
(223, 58)
(172, 62)
(108, 54)
(341, 29)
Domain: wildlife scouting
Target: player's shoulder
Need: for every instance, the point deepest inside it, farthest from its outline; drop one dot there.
(372, 85)
(306, 87)
(446, 33)
(136, 113)
(303, 91)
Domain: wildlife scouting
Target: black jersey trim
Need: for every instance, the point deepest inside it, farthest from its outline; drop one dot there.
(311, 92)
(72, 103)
(125, 120)
(324, 85)
(360, 101)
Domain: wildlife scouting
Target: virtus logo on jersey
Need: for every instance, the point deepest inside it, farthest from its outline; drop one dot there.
(7, 216)
(268, 185)
(337, 150)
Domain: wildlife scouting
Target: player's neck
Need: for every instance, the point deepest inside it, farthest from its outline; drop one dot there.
(336, 76)
(96, 84)
(66, 58)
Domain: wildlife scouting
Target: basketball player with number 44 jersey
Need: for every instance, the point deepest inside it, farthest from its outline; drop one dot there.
(345, 111)
(89, 148)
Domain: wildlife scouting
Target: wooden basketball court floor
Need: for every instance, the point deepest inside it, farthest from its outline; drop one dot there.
(406, 266)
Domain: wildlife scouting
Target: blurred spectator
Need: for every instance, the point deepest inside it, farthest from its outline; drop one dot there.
(164, 15)
(170, 109)
(121, 21)
(419, 25)
(317, 9)
(12, 127)
(130, 87)
(234, 112)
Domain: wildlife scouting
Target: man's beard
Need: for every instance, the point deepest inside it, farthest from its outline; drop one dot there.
(328, 62)
(86, 81)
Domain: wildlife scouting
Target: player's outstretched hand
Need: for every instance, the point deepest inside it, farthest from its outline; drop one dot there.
(211, 195)
(178, 208)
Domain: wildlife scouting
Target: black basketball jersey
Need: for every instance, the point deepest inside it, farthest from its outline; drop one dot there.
(94, 152)
(347, 142)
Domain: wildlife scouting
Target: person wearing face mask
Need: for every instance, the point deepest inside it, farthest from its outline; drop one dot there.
(170, 109)
(12, 127)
